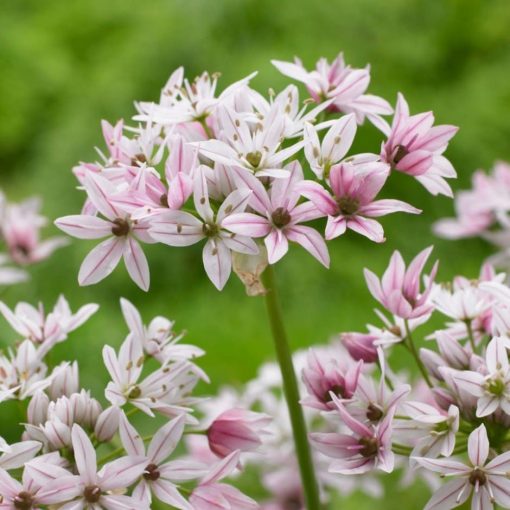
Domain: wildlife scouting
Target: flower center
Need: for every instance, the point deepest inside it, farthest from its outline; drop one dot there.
(369, 446)
(254, 158)
(348, 205)
(280, 217)
(134, 392)
(400, 153)
(23, 501)
(138, 158)
(210, 229)
(92, 494)
(151, 472)
(496, 386)
(374, 412)
(120, 227)
(477, 477)
(163, 200)
(338, 390)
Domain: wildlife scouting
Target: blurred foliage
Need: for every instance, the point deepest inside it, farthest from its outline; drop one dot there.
(66, 65)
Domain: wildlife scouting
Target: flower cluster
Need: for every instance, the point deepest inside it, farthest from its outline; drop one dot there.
(454, 420)
(244, 174)
(80, 452)
(483, 211)
(20, 231)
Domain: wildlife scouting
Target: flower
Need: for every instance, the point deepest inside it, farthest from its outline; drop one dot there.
(158, 338)
(164, 390)
(96, 488)
(415, 147)
(178, 228)
(159, 477)
(327, 373)
(352, 205)
(344, 85)
(121, 230)
(256, 150)
(336, 143)
(279, 216)
(399, 289)
(487, 481)
(367, 448)
(236, 429)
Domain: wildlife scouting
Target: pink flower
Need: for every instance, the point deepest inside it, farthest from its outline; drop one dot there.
(211, 494)
(399, 289)
(236, 429)
(351, 204)
(344, 85)
(492, 389)
(178, 228)
(121, 229)
(160, 477)
(368, 447)
(325, 374)
(42, 483)
(93, 488)
(487, 481)
(415, 147)
(279, 216)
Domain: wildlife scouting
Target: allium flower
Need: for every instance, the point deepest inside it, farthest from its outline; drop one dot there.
(46, 329)
(487, 482)
(237, 430)
(160, 477)
(336, 143)
(178, 228)
(212, 494)
(257, 150)
(96, 489)
(360, 346)
(19, 454)
(415, 147)
(158, 338)
(352, 202)
(327, 373)
(279, 216)
(121, 229)
(164, 390)
(367, 448)
(430, 430)
(399, 289)
(341, 83)
(58, 487)
(493, 389)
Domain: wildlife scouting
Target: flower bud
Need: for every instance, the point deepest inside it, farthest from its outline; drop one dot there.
(360, 346)
(237, 429)
(65, 382)
(38, 408)
(107, 424)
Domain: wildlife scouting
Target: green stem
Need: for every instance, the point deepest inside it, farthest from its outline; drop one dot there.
(471, 337)
(291, 391)
(412, 349)
(207, 129)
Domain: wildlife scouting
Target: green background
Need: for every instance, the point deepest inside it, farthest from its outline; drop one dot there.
(64, 65)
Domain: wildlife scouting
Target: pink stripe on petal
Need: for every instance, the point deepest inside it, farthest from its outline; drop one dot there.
(101, 261)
